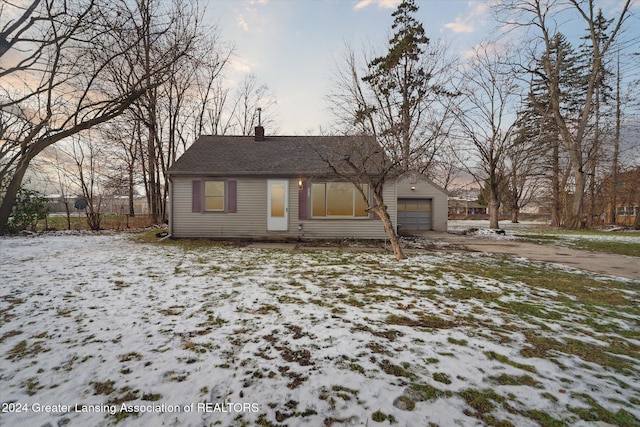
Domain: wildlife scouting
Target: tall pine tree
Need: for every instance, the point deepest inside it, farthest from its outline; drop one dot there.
(538, 120)
(542, 17)
(400, 81)
(595, 146)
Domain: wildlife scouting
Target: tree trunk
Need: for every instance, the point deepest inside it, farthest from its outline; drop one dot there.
(576, 220)
(514, 215)
(494, 199)
(66, 207)
(381, 210)
(556, 205)
(393, 237)
(151, 160)
(592, 195)
(132, 211)
(152, 142)
(11, 192)
(494, 207)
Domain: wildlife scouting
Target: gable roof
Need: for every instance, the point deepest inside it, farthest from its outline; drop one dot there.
(276, 156)
(421, 176)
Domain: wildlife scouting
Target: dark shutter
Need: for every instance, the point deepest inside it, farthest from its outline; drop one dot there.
(303, 201)
(232, 196)
(196, 195)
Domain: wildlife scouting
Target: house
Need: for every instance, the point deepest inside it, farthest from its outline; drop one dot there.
(288, 188)
(627, 197)
(464, 208)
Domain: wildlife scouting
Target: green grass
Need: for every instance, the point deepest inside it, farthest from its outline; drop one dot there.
(554, 232)
(544, 419)
(491, 355)
(105, 387)
(441, 377)
(396, 370)
(617, 248)
(555, 237)
(546, 347)
(381, 417)
(24, 350)
(576, 287)
(424, 321)
(595, 412)
(425, 392)
(524, 380)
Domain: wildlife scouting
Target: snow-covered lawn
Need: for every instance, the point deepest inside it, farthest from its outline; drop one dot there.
(99, 330)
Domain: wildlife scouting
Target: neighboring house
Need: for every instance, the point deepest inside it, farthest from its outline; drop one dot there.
(463, 208)
(537, 207)
(283, 188)
(627, 204)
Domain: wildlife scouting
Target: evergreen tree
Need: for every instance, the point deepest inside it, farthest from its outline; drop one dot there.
(565, 79)
(399, 99)
(595, 146)
(575, 127)
(401, 82)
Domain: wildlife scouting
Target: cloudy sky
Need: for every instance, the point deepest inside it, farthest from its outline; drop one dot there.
(293, 45)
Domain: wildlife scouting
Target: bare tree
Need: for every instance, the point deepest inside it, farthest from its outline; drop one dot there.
(539, 16)
(124, 157)
(403, 98)
(89, 173)
(210, 95)
(234, 110)
(448, 165)
(65, 69)
(523, 174)
(251, 95)
(175, 113)
(219, 122)
(147, 17)
(53, 159)
(361, 160)
(488, 96)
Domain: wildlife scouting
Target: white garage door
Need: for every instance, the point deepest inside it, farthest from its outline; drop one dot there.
(414, 215)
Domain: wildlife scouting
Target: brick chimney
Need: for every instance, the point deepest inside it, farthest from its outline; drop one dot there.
(259, 135)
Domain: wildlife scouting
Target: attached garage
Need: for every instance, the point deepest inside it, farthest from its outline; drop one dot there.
(414, 215)
(422, 205)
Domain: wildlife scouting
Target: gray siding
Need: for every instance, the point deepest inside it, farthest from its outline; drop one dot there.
(425, 189)
(250, 220)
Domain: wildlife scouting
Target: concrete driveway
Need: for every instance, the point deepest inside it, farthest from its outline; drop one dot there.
(614, 265)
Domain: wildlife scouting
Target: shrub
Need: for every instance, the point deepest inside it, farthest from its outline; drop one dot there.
(28, 209)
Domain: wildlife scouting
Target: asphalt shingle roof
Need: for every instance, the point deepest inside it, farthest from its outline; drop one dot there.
(281, 155)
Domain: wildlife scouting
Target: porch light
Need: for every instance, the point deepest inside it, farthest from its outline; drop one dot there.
(300, 183)
(413, 188)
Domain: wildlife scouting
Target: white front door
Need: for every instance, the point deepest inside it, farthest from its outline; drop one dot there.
(278, 205)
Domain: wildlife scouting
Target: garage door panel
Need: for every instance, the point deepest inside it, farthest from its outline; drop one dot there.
(414, 214)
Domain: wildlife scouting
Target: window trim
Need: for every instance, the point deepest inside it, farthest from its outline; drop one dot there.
(224, 195)
(355, 193)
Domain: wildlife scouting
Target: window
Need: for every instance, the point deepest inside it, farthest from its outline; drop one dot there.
(214, 195)
(627, 210)
(338, 199)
